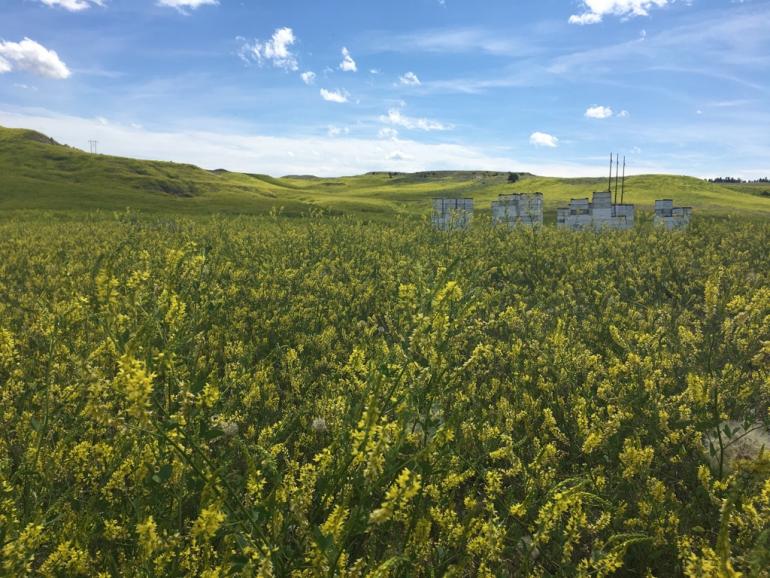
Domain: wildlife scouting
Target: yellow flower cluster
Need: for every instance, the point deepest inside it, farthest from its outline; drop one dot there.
(318, 396)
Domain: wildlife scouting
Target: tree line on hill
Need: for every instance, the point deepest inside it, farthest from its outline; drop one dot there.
(734, 180)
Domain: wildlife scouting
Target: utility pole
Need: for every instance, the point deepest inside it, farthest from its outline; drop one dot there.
(94, 144)
(609, 184)
(617, 171)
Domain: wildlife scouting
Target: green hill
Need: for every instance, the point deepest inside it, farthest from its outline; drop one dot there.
(38, 173)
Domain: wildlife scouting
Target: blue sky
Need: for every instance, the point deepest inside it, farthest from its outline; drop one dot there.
(343, 87)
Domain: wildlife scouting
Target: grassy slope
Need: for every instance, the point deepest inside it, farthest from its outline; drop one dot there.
(36, 173)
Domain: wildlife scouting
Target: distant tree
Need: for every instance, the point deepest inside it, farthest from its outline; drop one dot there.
(513, 177)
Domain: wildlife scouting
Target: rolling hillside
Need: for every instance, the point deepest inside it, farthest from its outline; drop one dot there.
(38, 173)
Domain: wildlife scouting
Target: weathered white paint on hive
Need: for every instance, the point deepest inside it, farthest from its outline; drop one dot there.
(599, 214)
(739, 443)
(514, 209)
(602, 200)
(562, 213)
(452, 213)
(624, 216)
(671, 217)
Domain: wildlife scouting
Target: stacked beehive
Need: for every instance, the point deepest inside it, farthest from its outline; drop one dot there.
(518, 209)
(450, 214)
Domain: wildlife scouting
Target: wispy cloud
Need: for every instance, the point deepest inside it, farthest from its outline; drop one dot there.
(255, 153)
(595, 10)
(726, 40)
(229, 146)
(348, 64)
(308, 77)
(73, 5)
(338, 96)
(409, 79)
(730, 45)
(184, 5)
(397, 118)
(335, 131)
(444, 41)
(276, 51)
(388, 133)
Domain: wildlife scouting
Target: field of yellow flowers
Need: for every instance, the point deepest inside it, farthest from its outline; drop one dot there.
(323, 397)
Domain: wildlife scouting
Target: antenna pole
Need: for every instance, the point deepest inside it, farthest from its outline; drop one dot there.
(623, 185)
(609, 184)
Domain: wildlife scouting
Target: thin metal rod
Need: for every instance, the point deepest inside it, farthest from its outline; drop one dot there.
(617, 170)
(609, 184)
(623, 182)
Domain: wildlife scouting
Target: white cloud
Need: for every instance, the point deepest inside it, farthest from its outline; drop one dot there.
(275, 51)
(596, 10)
(347, 64)
(334, 95)
(182, 5)
(388, 133)
(33, 57)
(333, 131)
(308, 77)
(599, 112)
(586, 18)
(73, 5)
(319, 155)
(624, 114)
(396, 117)
(543, 139)
(409, 79)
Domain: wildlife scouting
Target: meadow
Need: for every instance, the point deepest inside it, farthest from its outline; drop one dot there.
(39, 174)
(325, 396)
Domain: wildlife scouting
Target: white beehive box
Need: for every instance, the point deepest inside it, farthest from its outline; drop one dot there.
(562, 213)
(602, 200)
(670, 217)
(452, 214)
(664, 207)
(518, 209)
(599, 214)
(625, 216)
